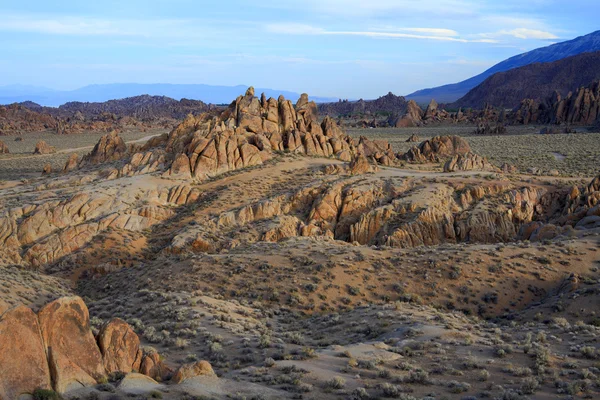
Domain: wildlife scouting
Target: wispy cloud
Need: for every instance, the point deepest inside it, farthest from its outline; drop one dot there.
(440, 34)
(524, 33)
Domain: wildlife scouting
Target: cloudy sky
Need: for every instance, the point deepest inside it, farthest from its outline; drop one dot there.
(345, 48)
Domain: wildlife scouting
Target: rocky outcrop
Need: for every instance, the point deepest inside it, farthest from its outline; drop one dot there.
(55, 349)
(437, 149)
(361, 165)
(389, 103)
(152, 365)
(579, 108)
(412, 139)
(42, 147)
(120, 347)
(71, 163)
(110, 147)
(3, 148)
(247, 134)
(193, 370)
(73, 355)
(23, 365)
(413, 116)
(468, 162)
(488, 129)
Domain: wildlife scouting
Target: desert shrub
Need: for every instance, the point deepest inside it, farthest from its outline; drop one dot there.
(529, 385)
(336, 382)
(44, 394)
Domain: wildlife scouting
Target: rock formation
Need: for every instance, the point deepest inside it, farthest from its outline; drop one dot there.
(247, 134)
(412, 139)
(438, 149)
(111, 147)
(42, 147)
(188, 371)
(413, 116)
(120, 347)
(55, 349)
(71, 163)
(3, 148)
(468, 162)
(73, 355)
(487, 129)
(23, 364)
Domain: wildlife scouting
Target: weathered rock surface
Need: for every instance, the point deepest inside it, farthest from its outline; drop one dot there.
(71, 163)
(3, 148)
(55, 349)
(488, 129)
(23, 365)
(413, 139)
(73, 356)
(412, 117)
(42, 147)
(110, 147)
(437, 149)
(468, 162)
(120, 347)
(197, 369)
(153, 366)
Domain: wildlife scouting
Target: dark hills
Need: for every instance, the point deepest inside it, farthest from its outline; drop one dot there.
(558, 51)
(389, 104)
(535, 81)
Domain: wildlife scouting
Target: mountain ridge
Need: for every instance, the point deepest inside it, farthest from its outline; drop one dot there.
(452, 92)
(97, 93)
(536, 81)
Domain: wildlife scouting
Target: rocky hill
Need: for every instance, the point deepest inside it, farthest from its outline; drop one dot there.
(581, 107)
(143, 111)
(558, 51)
(142, 108)
(384, 105)
(19, 118)
(535, 81)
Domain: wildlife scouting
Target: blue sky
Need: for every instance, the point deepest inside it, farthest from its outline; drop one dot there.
(350, 49)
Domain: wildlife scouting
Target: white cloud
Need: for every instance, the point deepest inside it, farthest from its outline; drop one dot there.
(525, 33)
(428, 33)
(432, 31)
(293, 29)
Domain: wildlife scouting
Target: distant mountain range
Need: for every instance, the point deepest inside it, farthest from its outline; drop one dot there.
(101, 93)
(558, 51)
(535, 81)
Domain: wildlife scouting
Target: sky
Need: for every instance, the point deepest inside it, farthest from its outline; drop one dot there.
(338, 48)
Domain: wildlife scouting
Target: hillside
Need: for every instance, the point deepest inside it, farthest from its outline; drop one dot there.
(536, 81)
(558, 51)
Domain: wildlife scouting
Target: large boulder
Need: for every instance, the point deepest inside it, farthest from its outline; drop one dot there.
(120, 347)
(42, 147)
(437, 149)
(73, 356)
(187, 371)
(3, 148)
(110, 147)
(468, 162)
(153, 366)
(71, 163)
(23, 366)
